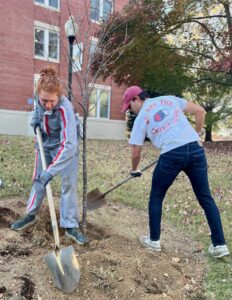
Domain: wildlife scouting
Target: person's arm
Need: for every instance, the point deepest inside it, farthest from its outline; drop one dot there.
(35, 121)
(199, 113)
(135, 157)
(136, 140)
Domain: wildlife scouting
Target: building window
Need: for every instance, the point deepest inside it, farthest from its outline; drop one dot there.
(100, 9)
(99, 102)
(107, 8)
(55, 4)
(77, 57)
(46, 44)
(92, 49)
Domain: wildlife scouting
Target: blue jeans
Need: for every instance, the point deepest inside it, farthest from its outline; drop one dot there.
(191, 159)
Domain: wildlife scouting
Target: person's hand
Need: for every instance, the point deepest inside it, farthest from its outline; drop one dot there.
(136, 173)
(201, 132)
(37, 124)
(45, 177)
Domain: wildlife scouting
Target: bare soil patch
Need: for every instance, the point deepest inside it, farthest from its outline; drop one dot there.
(219, 147)
(113, 265)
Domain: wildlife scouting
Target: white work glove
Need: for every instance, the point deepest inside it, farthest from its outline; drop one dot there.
(136, 173)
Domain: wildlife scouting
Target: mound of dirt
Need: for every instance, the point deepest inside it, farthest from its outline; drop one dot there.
(113, 265)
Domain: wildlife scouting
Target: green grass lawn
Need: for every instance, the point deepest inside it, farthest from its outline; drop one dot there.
(109, 163)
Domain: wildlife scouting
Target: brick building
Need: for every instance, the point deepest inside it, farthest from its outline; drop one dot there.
(32, 35)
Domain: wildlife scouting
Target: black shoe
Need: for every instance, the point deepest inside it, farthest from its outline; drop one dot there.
(77, 235)
(24, 222)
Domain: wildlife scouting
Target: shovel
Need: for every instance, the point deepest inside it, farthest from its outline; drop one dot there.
(96, 199)
(62, 263)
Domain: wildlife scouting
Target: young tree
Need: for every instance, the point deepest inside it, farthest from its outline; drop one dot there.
(85, 77)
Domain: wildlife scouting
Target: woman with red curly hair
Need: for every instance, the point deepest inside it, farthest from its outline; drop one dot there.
(54, 115)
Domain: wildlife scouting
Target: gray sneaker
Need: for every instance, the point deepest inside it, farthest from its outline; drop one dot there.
(77, 235)
(218, 251)
(24, 222)
(146, 241)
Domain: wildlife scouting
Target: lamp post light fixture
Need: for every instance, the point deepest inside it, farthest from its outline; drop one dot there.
(70, 31)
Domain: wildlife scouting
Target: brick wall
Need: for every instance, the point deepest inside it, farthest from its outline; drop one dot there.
(17, 63)
(16, 53)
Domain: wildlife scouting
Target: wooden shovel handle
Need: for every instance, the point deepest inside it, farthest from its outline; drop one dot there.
(49, 191)
(128, 178)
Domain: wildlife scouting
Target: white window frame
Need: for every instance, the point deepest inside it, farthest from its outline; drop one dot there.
(36, 79)
(95, 41)
(77, 59)
(101, 11)
(46, 5)
(47, 28)
(99, 88)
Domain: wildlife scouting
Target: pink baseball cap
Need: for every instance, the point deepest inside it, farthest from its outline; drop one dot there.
(129, 95)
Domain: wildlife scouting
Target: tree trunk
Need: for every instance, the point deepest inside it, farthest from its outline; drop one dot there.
(228, 17)
(208, 134)
(85, 178)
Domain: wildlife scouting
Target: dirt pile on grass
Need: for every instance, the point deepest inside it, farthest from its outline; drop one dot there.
(113, 265)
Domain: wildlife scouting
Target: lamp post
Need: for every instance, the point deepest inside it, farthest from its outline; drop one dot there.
(70, 31)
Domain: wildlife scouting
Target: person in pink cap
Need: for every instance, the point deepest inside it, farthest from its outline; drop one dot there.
(162, 119)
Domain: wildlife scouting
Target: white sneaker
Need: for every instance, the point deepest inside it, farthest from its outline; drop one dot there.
(218, 251)
(146, 241)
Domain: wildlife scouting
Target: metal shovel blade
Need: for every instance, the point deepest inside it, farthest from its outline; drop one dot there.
(95, 199)
(64, 268)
